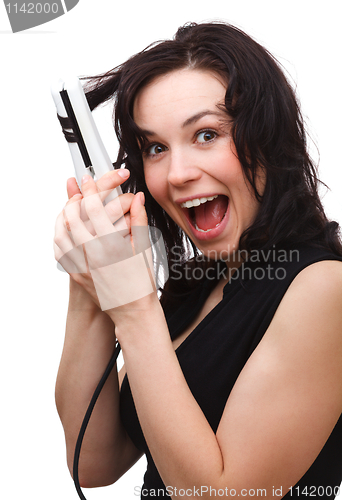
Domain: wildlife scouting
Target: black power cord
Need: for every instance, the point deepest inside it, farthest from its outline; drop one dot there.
(87, 418)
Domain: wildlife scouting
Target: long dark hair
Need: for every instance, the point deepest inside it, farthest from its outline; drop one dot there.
(267, 129)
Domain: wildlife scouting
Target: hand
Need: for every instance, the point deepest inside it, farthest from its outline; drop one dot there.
(119, 261)
(67, 254)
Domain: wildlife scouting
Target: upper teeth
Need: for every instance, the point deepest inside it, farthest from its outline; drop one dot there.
(197, 201)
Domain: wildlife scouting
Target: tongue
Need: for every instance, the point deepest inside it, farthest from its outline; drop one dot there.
(209, 214)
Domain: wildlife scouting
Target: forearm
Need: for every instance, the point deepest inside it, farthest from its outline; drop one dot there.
(89, 344)
(182, 443)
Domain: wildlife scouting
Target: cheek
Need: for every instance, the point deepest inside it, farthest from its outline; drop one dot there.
(155, 185)
(249, 205)
(230, 174)
(241, 192)
(149, 180)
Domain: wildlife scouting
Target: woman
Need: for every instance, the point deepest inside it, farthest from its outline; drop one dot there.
(234, 374)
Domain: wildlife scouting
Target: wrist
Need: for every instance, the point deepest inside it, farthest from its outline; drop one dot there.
(132, 317)
(80, 300)
(85, 318)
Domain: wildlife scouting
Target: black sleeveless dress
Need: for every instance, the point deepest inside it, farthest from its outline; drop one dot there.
(215, 352)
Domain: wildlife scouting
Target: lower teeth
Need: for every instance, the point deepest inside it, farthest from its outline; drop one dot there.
(206, 230)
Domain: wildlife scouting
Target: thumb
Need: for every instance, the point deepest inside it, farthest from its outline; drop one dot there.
(72, 187)
(138, 212)
(139, 224)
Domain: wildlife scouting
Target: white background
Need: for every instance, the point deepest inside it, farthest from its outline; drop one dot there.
(95, 36)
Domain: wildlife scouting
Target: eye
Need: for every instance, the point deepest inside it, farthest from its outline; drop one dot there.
(206, 136)
(155, 149)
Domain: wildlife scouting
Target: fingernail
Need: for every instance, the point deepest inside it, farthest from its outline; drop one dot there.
(142, 198)
(85, 179)
(123, 172)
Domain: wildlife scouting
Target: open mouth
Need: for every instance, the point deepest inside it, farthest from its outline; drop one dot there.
(205, 214)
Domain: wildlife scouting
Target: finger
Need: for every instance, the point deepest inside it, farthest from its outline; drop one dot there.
(116, 209)
(94, 207)
(72, 187)
(110, 181)
(69, 256)
(65, 247)
(77, 230)
(140, 234)
(105, 186)
(124, 225)
(139, 224)
(62, 237)
(63, 259)
(138, 212)
(75, 198)
(70, 262)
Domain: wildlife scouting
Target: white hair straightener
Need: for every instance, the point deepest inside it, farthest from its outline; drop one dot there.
(86, 147)
(90, 158)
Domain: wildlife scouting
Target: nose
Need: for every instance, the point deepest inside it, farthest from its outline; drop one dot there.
(182, 169)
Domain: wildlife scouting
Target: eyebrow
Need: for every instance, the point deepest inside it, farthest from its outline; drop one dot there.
(198, 116)
(190, 121)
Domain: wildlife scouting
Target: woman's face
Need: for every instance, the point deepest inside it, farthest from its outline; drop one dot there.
(190, 165)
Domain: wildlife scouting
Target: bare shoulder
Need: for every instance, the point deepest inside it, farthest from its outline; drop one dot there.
(314, 300)
(325, 275)
(312, 305)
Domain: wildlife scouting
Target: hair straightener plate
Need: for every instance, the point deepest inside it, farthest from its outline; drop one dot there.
(86, 147)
